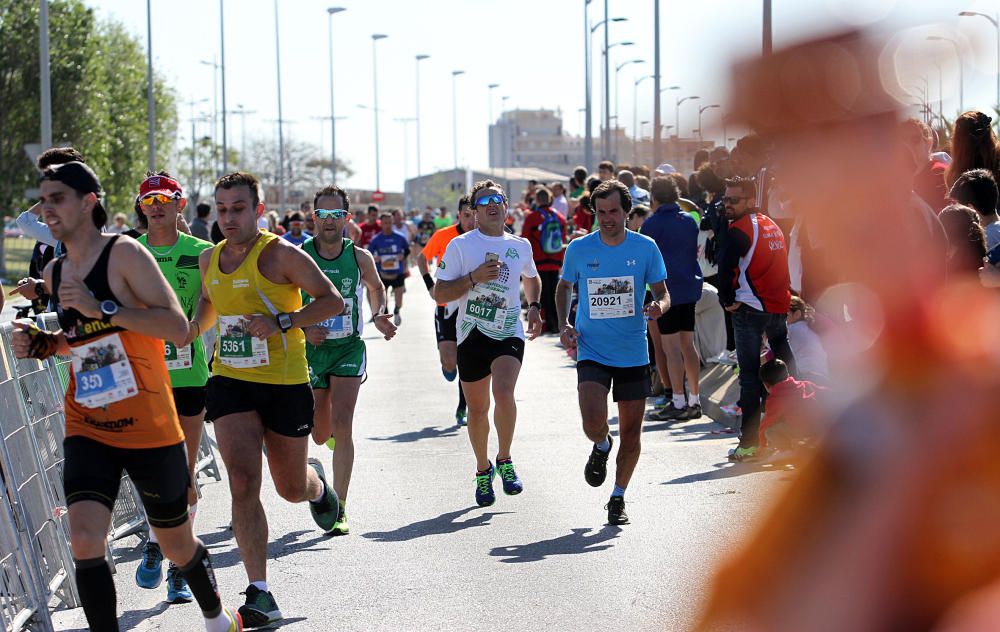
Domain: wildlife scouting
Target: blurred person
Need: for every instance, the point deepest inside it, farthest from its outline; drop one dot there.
(712, 237)
(118, 224)
(296, 234)
(642, 182)
(637, 217)
(30, 221)
(371, 226)
(578, 183)
(605, 171)
(404, 229)
(696, 193)
(966, 241)
(559, 201)
(973, 146)
(199, 225)
(806, 343)
(978, 190)
(928, 171)
(639, 196)
(425, 228)
(442, 220)
(793, 406)
(391, 250)
(681, 183)
(545, 230)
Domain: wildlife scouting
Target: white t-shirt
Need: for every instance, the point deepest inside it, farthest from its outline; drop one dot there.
(807, 347)
(561, 204)
(494, 307)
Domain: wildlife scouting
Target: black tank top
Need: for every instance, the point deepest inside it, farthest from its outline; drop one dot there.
(77, 327)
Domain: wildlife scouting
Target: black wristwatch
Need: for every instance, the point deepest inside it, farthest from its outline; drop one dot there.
(536, 305)
(109, 309)
(284, 322)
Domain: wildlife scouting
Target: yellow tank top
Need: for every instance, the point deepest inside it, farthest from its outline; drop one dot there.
(281, 359)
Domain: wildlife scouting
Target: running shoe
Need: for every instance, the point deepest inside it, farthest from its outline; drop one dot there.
(668, 413)
(485, 496)
(733, 410)
(235, 620)
(450, 375)
(461, 416)
(728, 359)
(740, 454)
(616, 510)
(149, 573)
(331, 443)
(597, 465)
(660, 401)
(260, 609)
(326, 511)
(396, 319)
(177, 588)
(694, 412)
(512, 485)
(340, 527)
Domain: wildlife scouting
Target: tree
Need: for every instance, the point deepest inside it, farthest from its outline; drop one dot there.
(305, 171)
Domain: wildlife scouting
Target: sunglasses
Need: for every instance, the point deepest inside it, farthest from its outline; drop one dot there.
(494, 198)
(156, 198)
(323, 213)
(734, 199)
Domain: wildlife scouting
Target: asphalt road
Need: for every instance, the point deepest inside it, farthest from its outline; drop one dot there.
(422, 556)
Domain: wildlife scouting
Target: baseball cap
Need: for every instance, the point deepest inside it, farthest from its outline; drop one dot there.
(78, 176)
(162, 185)
(665, 168)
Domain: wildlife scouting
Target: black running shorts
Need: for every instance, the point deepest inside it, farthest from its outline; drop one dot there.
(625, 383)
(397, 281)
(285, 409)
(445, 327)
(478, 351)
(678, 318)
(189, 400)
(93, 471)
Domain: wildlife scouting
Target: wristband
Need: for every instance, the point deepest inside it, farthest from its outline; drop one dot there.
(43, 343)
(471, 280)
(536, 305)
(428, 280)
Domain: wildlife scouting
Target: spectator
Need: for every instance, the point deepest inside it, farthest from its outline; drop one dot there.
(978, 189)
(793, 406)
(579, 182)
(694, 189)
(559, 201)
(637, 217)
(199, 225)
(639, 196)
(973, 146)
(681, 182)
(966, 242)
(605, 171)
(545, 228)
(118, 225)
(807, 346)
(928, 172)
(642, 182)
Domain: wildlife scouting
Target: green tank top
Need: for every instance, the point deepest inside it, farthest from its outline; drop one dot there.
(345, 275)
(179, 264)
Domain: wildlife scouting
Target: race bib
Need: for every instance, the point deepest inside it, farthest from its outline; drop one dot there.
(237, 348)
(103, 373)
(341, 326)
(391, 263)
(611, 297)
(486, 308)
(176, 358)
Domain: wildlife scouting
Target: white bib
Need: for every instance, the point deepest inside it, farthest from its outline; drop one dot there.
(611, 297)
(103, 372)
(341, 326)
(176, 358)
(237, 348)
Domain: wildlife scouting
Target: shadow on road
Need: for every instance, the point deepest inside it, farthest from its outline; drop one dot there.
(283, 546)
(132, 618)
(429, 432)
(721, 471)
(445, 523)
(574, 543)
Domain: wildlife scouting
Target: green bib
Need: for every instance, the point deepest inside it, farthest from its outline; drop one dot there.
(179, 264)
(345, 275)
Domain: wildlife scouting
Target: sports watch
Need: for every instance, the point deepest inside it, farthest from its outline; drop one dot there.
(284, 322)
(109, 309)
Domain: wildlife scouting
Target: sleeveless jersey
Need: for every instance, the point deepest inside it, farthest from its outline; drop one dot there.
(345, 275)
(119, 389)
(179, 264)
(281, 359)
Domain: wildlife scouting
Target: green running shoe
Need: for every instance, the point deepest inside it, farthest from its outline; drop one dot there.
(260, 609)
(740, 454)
(331, 443)
(326, 511)
(340, 527)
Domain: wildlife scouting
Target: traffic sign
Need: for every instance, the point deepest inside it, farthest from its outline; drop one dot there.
(378, 196)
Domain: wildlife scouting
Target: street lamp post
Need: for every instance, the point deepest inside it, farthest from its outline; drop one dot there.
(222, 55)
(454, 115)
(242, 113)
(194, 147)
(588, 48)
(961, 70)
(656, 82)
(606, 145)
(491, 87)
(635, 117)
(43, 67)
(150, 104)
(333, 118)
(995, 21)
(281, 126)
(618, 124)
(375, 38)
(701, 111)
(215, 110)
(419, 59)
(677, 114)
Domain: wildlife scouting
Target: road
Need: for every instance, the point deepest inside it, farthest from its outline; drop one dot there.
(422, 556)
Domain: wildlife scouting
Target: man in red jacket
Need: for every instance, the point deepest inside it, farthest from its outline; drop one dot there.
(545, 228)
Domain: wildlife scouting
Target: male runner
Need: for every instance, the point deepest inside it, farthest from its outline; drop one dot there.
(297, 234)
(259, 393)
(161, 201)
(370, 227)
(119, 412)
(391, 251)
(482, 269)
(612, 268)
(446, 315)
(336, 353)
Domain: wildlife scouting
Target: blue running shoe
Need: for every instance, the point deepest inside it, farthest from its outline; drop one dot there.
(450, 375)
(149, 574)
(661, 401)
(461, 417)
(485, 495)
(177, 588)
(511, 481)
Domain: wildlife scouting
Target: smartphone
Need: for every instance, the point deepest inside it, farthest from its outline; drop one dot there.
(492, 257)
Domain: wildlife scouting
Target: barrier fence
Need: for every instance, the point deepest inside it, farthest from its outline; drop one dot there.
(36, 564)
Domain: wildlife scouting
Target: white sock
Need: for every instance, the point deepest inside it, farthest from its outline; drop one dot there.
(152, 536)
(679, 400)
(260, 585)
(222, 622)
(192, 512)
(694, 400)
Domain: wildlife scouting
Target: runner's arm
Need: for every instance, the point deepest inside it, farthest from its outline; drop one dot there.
(300, 270)
(204, 313)
(661, 297)
(366, 265)
(564, 290)
(162, 316)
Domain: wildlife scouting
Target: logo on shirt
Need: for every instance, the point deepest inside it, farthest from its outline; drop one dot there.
(240, 283)
(441, 264)
(511, 254)
(630, 262)
(345, 284)
(594, 265)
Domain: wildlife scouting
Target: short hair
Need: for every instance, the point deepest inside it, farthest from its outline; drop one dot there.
(58, 156)
(372, 207)
(592, 183)
(296, 216)
(481, 185)
(747, 185)
(681, 182)
(580, 174)
(606, 165)
(627, 177)
(976, 188)
(121, 216)
(640, 211)
(162, 173)
(463, 202)
(385, 213)
(203, 209)
(331, 191)
(752, 144)
(642, 182)
(773, 371)
(604, 191)
(543, 190)
(664, 190)
(709, 180)
(241, 178)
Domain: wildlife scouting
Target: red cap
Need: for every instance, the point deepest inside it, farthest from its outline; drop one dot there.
(160, 184)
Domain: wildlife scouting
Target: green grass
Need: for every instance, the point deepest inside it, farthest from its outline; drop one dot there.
(17, 255)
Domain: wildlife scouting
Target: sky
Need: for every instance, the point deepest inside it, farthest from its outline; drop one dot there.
(534, 50)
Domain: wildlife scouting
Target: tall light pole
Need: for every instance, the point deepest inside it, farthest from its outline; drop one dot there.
(150, 104)
(606, 146)
(588, 133)
(46, 85)
(961, 71)
(222, 55)
(242, 113)
(375, 38)
(766, 28)
(333, 117)
(215, 110)
(419, 59)
(635, 116)
(405, 122)
(618, 122)
(656, 82)
(281, 126)
(454, 115)
(490, 88)
(701, 111)
(194, 147)
(677, 115)
(995, 21)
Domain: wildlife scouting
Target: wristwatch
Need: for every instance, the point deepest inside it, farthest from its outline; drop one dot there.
(284, 322)
(109, 309)
(536, 305)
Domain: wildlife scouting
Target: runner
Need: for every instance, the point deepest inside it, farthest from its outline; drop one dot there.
(297, 233)
(161, 202)
(336, 353)
(391, 251)
(482, 270)
(426, 228)
(370, 227)
(119, 414)
(612, 268)
(259, 393)
(446, 316)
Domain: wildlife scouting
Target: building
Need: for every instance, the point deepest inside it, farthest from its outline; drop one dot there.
(445, 187)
